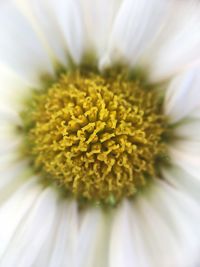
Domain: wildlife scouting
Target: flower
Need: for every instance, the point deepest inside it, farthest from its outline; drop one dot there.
(157, 226)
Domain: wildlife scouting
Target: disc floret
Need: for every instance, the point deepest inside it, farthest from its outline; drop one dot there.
(97, 136)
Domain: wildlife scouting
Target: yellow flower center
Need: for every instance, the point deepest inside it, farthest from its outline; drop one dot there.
(97, 136)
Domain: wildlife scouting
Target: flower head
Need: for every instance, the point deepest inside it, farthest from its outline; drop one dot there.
(99, 136)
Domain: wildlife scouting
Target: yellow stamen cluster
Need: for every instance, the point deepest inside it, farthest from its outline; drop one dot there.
(97, 136)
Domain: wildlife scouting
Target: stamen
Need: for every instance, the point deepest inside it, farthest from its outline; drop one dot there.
(96, 136)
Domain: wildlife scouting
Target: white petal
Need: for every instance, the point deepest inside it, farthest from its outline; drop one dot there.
(8, 159)
(169, 221)
(126, 245)
(11, 178)
(58, 24)
(185, 151)
(13, 91)
(10, 140)
(42, 258)
(69, 18)
(12, 168)
(9, 146)
(14, 211)
(183, 94)
(195, 114)
(177, 46)
(136, 25)
(60, 248)
(98, 18)
(183, 180)
(188, 130)
(19, 47)
(93, 239)
(8, 143)
(160, 228)
(66, 237)
(33, 232)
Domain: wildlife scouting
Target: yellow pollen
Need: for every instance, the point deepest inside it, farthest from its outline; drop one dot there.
(96, 136)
